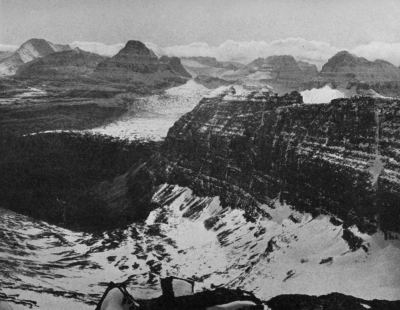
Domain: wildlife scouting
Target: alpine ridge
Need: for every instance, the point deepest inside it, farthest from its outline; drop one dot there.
(30, 50)
(339, 158)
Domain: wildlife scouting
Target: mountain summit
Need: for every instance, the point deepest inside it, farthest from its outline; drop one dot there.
(136, 63)
(344, 66)
(30, 50)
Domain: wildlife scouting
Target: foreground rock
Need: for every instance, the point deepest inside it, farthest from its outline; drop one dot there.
(250, 149)
(332, 301)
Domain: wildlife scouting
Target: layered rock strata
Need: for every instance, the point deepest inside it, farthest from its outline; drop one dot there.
(340, 158)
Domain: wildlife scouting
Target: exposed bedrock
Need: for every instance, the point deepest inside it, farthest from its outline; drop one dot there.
(340, 158)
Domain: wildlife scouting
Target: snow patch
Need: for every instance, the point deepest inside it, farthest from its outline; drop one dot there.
(321, 95)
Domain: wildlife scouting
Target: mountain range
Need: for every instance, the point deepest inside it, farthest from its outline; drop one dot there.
(250, 189)
(30, 50)
(136, 63)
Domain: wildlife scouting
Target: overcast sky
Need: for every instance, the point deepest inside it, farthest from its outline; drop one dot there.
(343, 23)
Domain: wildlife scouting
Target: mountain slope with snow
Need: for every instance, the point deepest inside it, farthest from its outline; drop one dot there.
(286, 252)
(30, 50)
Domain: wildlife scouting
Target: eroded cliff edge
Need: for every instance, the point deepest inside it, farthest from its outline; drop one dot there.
(340, 158)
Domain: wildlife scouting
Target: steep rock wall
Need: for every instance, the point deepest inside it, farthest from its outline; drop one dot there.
(340, 158)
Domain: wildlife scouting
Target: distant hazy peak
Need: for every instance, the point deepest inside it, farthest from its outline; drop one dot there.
(134, 47)
(28, 51)
(344, 59)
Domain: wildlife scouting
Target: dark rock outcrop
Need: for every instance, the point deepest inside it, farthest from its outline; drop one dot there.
(135, 63)
(30, 50)
(332, 301)
(66, 64)
(340, 158)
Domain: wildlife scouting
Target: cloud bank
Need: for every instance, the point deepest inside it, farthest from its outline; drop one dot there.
(8, 48)
(379, 50)
(315, 52)
(311, 51)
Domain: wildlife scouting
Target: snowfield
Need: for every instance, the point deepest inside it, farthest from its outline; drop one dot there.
(159, 113)
(194, 237)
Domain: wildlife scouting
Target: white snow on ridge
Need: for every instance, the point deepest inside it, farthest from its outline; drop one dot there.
(321, 95)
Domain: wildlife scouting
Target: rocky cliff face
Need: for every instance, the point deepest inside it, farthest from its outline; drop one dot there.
(345, 69)
(135, 63)
(66, 64)
(30, 50)
(340, 158)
